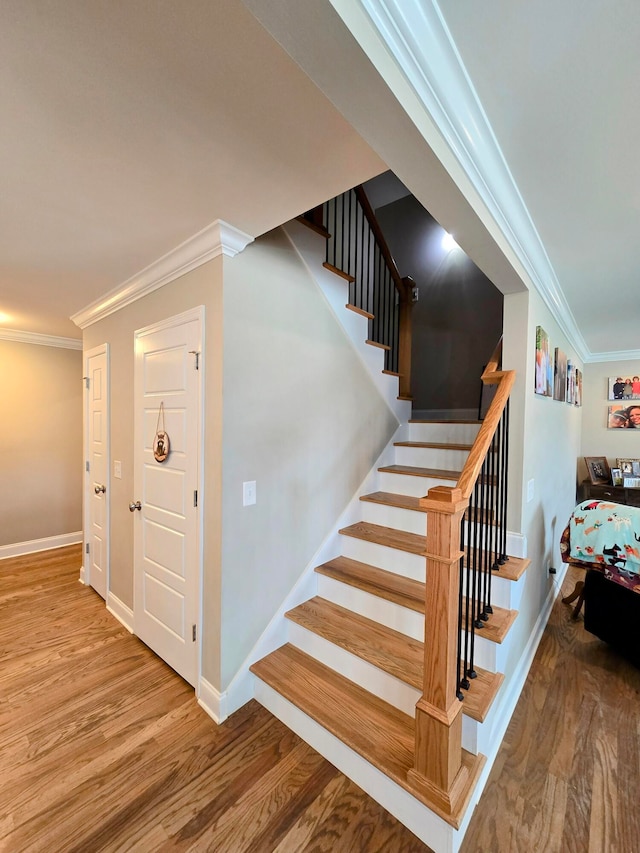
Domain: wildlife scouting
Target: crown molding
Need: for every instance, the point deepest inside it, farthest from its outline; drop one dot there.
(614, 355)
(40, 340)
(216, 239)
(415, 35)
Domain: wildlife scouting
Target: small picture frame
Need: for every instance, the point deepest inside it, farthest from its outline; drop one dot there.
(616, 477)
(598, 469)
(629, 467)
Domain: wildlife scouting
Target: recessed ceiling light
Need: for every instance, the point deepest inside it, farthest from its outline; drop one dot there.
(448, 243)
(4, 318)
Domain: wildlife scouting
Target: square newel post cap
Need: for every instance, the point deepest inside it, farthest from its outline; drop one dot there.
(446, 499)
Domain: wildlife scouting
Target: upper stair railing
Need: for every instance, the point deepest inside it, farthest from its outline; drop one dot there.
(357, 251)
(466, 541)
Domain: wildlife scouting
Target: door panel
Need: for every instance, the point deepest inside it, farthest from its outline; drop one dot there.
(167, 558)
(97, 502)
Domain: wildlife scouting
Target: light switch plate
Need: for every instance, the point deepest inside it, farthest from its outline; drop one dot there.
(117, 469)
(249, 493)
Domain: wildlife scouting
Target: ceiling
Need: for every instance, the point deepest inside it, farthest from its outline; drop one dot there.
(128, 127)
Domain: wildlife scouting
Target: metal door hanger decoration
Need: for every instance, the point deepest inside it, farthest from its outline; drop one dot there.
(161, 443)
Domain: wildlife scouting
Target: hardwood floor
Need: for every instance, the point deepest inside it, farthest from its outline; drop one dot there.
(567, 776)
(103, 747)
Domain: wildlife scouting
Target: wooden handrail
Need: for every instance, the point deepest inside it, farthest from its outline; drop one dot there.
(382, 243)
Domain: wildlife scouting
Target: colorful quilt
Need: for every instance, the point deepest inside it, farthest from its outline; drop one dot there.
(605, 536)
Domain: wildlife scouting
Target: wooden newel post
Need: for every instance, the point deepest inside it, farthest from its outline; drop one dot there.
(405, 337)
(438, 767)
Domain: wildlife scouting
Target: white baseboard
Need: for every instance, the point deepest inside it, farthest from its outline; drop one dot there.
(212, 701)
(34, 545)
(516, 545)
(83, 576)
(120, 610)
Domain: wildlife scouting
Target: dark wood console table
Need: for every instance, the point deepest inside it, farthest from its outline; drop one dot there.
(616, 494)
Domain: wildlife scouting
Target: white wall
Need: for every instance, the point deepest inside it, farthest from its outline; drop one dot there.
(545, 444)
(597, 440)
(302, 418)
(41, 441)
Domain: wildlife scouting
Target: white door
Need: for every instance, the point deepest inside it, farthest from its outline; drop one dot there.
(97, 468)
(168, 362)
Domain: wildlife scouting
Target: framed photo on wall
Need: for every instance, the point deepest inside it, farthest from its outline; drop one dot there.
(560, 376)
(598, 469)
(544, 364)
(624, 387)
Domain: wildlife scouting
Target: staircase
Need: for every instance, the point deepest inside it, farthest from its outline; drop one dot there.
(350, 676)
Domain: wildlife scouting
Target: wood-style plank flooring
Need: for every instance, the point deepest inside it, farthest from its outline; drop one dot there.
(567, 776)
(103, 747)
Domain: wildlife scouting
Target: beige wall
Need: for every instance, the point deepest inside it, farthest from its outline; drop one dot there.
(545, 443)
(202, 286)
(40, 441)
(597, 440)
(302, 418)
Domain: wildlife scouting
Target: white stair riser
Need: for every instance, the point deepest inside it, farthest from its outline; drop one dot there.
(385, 612)
(391, 559)
(363, 673)
(431, 457)
(392, 516)
(426, 825)
(368, 676)
(398, 618)
(406, 484)
(443, 432)
(504, 593)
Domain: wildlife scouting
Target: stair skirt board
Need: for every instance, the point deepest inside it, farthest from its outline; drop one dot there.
(427, 826)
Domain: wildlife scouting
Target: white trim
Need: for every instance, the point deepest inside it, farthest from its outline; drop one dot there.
(120, 610)
(216, 239)
(516, 545)
(34, 545)
(82, 575)
(212, 701)
(40, 340)
(617, 355)
(414, 33)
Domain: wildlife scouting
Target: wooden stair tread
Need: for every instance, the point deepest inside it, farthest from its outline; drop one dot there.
(389, 536)
(392, 499)
(513, 569)
(377, 344)
(404, 591)
(413, 471)
(314, 227)
(388, 585)
(377, 731)
(392, 373)
(388, 650)
(360, 311)
(435, 445)
(341, 273)
(497, 628)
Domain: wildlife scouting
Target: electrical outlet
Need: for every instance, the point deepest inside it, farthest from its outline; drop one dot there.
(249, 493)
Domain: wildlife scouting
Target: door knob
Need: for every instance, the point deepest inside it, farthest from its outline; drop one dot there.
(100, 490)
(134, 506)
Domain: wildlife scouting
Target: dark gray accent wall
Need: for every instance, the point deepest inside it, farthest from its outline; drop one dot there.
(457, 320)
